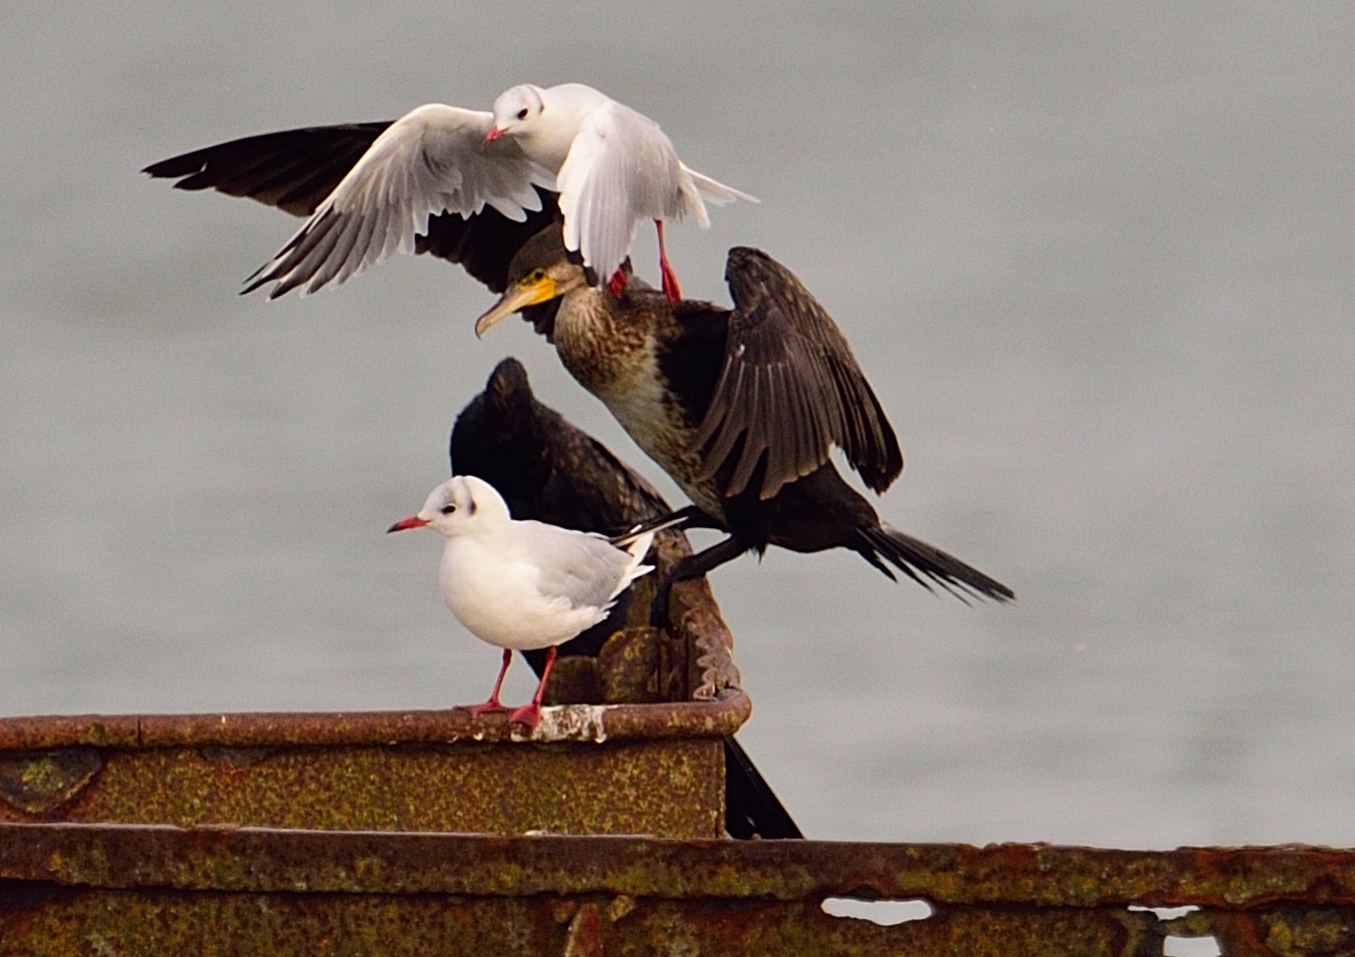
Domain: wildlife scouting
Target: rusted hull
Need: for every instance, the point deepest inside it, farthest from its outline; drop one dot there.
(111, 922)
(90, 889)
(497, 789)
(624, 769)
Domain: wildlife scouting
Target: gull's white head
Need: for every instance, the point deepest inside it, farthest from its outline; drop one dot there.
(516, 110)
(459, 506)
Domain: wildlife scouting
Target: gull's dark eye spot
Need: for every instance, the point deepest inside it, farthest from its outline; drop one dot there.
(448, 509)
(522, 113)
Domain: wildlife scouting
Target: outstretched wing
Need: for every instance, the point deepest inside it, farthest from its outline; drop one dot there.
(790, 387)
(363, 185)
(432, 160)
(293, 170)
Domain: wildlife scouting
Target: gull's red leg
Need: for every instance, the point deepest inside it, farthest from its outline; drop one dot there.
(670, 283)
(494, 704)
(530, 714)
(617, 284)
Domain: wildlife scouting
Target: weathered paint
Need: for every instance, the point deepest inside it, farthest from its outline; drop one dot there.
(162, 890)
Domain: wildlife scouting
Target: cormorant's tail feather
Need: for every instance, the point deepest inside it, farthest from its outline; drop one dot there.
(751, 808)
(927, 564)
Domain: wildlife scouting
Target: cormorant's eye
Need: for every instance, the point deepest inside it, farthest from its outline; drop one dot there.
(539, 275)
(522, 113)
(448, 509)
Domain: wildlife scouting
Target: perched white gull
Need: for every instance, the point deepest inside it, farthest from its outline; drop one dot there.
(523, 585)
(611, 166)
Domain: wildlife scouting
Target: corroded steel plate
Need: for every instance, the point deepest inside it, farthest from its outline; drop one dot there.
(67, 889)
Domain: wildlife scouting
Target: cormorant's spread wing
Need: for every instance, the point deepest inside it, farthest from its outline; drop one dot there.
(790, 387)
(372, 188)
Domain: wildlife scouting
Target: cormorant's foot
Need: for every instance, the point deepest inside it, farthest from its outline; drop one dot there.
(528, 714)
(671, 289)
(492, 706)
(617, 284)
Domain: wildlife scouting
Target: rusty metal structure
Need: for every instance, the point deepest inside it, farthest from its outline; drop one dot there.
(108, 889)
(412, 833)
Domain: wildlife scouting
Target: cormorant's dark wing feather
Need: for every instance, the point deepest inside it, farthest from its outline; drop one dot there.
(295, 170)
(791, 386)
(545, 467)
(484, 244)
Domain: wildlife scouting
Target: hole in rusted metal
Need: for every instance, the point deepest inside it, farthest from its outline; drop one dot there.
(1177, 946)
(886, 913)
(1167, 913)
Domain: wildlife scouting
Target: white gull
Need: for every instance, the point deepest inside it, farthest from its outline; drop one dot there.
(611, 166)
(523, 585)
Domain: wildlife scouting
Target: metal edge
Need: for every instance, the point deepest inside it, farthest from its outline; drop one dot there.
(261, 860)
(715, 718)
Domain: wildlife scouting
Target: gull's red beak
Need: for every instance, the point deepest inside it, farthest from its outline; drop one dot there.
(493, 134)
(405, 524)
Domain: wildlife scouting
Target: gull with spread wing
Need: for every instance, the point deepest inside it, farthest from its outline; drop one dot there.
(603, 166)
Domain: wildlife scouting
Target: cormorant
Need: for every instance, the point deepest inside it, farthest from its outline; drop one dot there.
(739, 406)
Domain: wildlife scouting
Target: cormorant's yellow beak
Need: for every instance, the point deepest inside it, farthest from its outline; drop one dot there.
(531, 291)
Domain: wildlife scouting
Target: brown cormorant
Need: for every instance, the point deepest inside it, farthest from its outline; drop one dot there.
(739, 406)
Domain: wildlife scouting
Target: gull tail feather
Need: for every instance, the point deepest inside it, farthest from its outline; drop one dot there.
(714, 192)
(638, 548)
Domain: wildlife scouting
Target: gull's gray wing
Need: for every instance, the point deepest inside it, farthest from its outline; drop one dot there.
(430, 161)
(296, 170)
(789, 387)
(582, 568)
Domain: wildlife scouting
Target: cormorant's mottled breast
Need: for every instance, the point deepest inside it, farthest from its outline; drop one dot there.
(549, 470)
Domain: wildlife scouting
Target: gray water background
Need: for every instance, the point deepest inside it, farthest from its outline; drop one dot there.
(1095, 257)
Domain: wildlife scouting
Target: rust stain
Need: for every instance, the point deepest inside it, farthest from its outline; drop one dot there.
(39, 782)
(671, 787)
(150, 890)
(1258, 880)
